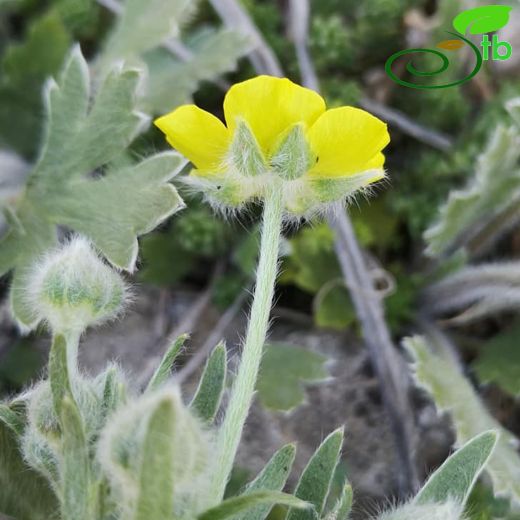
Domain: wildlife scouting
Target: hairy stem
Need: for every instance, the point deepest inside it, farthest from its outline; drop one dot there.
(244, 384)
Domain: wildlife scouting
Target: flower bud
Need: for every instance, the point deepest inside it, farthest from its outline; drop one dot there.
(73, 288)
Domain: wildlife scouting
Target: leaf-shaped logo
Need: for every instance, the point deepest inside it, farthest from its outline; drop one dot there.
(482, 20)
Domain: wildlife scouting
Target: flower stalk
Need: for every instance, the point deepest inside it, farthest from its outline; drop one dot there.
(245, 382)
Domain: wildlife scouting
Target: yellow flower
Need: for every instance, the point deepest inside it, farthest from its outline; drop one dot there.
(276, 129)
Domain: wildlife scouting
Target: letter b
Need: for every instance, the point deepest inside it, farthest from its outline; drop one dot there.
(496, 47)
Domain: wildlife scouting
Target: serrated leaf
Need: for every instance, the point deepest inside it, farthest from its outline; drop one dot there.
(499, 360)
(156, 473)
(484, 19)
(215, 53)
(113, 208)
(452, 392)
(494, 191)
(163, 371)
(456, 477)
(315, 481)
(142, 26)
(284, 371)
(206, 402)
(234, 506)
(273, 477)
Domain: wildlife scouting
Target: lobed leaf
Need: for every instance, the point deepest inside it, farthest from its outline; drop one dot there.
(142, 26)
(284, 371)
(491, 196)
(83, 135)
(213, 54)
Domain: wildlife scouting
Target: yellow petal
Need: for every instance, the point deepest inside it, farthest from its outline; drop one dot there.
(197, 134)
(347, 140)
(271, 105)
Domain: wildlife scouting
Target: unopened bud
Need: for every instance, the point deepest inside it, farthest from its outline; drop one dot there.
(73, 288)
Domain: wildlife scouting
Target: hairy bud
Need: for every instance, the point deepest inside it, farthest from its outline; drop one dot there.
(72, 288)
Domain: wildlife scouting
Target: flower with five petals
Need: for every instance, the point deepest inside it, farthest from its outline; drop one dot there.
(278, 132)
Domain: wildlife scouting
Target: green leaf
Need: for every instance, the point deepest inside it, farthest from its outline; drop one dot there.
(452, 392)
(284, 371)
(273, 477)
(208, 396)
(24, 68)
(156, 473)
(142, 26)
(24, 494)
(342, 508)
(215, 53)
(482, 19)
(333, 307)
(316, 479)
(488, 199)
(312, 262)
(163, 371)
(456, 477)
(499, 361)
(76, 480)
(234, 506)
(61, 190)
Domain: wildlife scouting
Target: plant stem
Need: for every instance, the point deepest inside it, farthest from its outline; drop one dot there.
(245, 381)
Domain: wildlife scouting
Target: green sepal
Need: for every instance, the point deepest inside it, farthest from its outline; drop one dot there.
(207, 399)
(316, 479)
(273, 477)
(234, 506)
(293, 157)
(163, 371)
(244, 153)
(330, 189)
